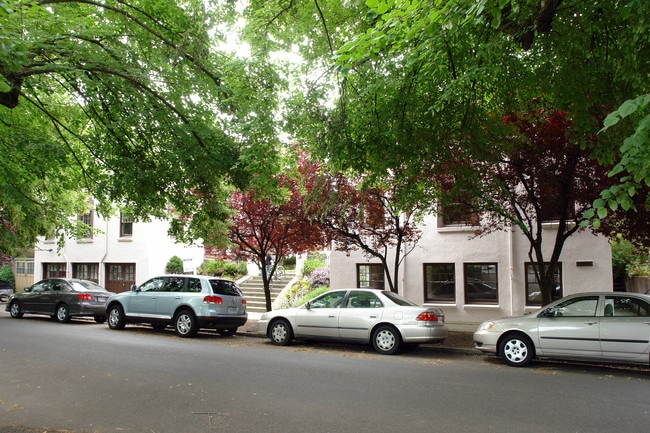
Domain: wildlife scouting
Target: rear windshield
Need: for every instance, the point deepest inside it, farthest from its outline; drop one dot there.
(399, 300)
(86, 286)
(225, 287)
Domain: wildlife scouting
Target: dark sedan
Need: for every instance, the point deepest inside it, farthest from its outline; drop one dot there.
(61, 299)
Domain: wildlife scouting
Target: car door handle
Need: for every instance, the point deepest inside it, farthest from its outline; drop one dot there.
(373, 316)
(591, 322)
(332, 316)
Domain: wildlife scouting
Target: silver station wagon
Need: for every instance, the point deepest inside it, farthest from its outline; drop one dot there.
(187, 302)
(610, 326)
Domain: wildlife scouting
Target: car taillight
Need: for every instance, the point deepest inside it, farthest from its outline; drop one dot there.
(428, 316)
(84, 297)
(243, 301)
(212, 300)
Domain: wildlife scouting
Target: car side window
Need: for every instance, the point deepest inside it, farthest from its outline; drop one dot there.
(224, 287)
(153, 285)
(41, 287)
(363, 300)
(625, 306)
(57, 286)
(577, 307)
(173, 284)
(329, 300)
(193, 285)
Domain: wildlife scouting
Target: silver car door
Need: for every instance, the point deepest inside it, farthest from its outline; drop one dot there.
(170, 297)
(571, 329)
(321, 319)
(361, 311)
(625, 328)
(142, 302)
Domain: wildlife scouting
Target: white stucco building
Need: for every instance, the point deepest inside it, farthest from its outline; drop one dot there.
(478, 278)
(121, 254)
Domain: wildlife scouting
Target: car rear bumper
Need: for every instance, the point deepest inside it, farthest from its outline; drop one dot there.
(424, 334)
(222, 322)
(88, 310)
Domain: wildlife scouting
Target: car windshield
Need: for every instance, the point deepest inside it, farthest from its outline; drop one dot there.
(399, 300)
(224, 287)
(86, 286)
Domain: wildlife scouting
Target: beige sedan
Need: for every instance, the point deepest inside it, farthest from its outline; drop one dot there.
(609, 326)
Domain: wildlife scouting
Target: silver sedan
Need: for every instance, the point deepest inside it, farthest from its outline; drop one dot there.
(382, 318)
(610, 326)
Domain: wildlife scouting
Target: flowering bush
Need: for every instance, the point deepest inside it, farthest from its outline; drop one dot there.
(319, 277)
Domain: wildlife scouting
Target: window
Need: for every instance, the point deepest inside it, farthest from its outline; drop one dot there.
(153, 285)
(363, 300)
(87, 220)
(439, 282)
(625, 306)
(126, 225)
(457, 215)
(86, 271)
(54, 270)
(576, 307)
(329, 300)
(534, 292)
(24, 267)
(173, 284)
(371, 276)
(481, 283)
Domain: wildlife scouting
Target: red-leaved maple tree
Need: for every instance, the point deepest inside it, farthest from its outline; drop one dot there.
(274, 226)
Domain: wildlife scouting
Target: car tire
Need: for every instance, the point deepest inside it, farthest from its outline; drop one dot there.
(227, 332)
(516, 350)
(116, 319)
(386, 340)
(62, 313)
(185, 324)
(100, 318)
(15, 310)
(280, 332)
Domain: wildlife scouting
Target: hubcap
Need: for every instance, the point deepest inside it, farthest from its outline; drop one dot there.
(15, 309)
(385, 340)
(61, 312)
(515, 350)
(114, 317)
(279, 333)
(184, 323)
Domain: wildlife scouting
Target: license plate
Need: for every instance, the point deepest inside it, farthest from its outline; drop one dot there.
(101, 299)
(232, 310)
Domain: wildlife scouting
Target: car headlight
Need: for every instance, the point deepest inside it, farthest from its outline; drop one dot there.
(486, 326)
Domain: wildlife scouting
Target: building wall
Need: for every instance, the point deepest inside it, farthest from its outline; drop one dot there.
(149, 248)
(586, 266)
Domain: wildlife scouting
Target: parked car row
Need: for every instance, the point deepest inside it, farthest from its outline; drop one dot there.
(608, 326)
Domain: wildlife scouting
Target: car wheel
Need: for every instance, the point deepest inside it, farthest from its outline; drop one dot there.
(227, 332)
(62, 313)
(116, 318)
(185, 324)
(15, 310)
(280, 332)
(386, 340)
(100, 318)
(516, 350)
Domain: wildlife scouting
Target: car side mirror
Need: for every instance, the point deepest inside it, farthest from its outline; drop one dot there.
(134, 288)
(308, 305)
(551, 312)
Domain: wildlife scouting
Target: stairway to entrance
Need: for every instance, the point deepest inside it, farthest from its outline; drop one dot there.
(253, 290)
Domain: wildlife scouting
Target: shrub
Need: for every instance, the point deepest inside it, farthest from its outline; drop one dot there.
(319, 277)
(311, 265)
(174, 265)
(7, 273)
(219, 268)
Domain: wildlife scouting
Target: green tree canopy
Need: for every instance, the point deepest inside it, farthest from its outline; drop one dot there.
(132, 103)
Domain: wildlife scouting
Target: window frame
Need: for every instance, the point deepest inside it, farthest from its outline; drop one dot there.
(492, 282)
(433, 284)
(126, 225)
(527, 284)
(371, 279)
